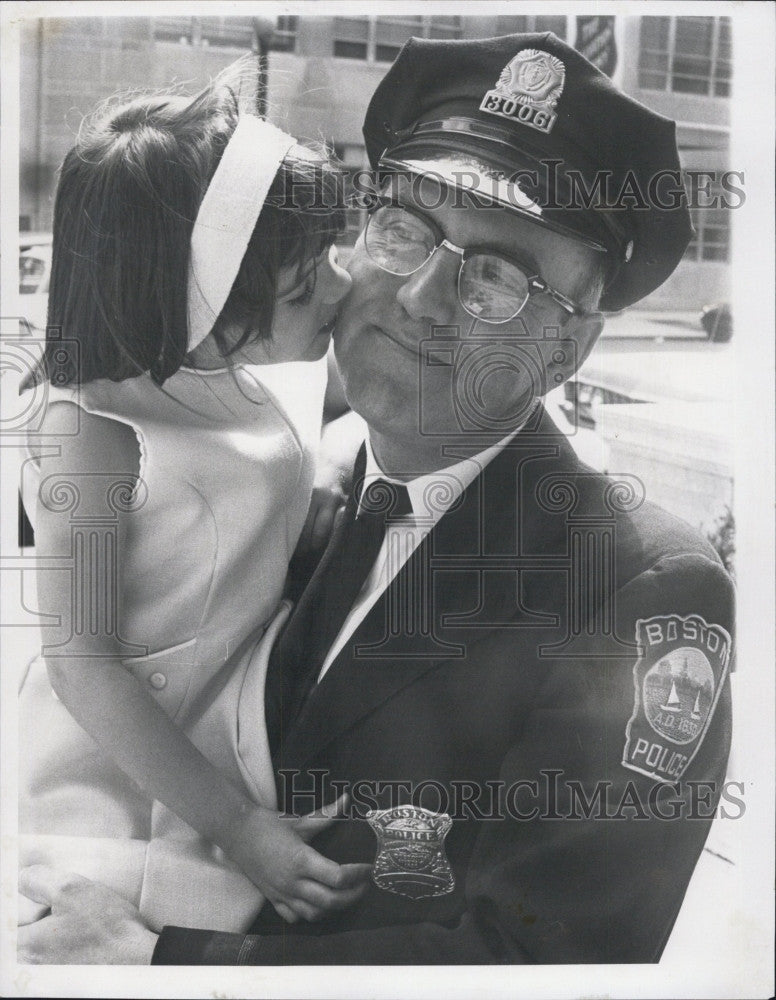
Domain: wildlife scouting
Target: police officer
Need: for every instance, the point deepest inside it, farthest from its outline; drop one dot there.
(521, 674)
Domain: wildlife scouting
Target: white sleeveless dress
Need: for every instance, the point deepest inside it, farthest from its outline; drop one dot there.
(227, 462)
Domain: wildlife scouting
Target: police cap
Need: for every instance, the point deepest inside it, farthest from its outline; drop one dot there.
(528, 121)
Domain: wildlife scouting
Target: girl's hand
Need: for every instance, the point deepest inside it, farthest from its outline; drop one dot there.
(340, 441)
(324, 504)
(300, 883)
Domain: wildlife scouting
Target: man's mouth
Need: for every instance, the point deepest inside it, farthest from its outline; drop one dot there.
(399, 341)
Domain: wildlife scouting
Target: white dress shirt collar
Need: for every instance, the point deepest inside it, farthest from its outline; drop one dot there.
(434, 493)
(431, 495)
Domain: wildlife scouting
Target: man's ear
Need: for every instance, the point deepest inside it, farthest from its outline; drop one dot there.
(585, 330)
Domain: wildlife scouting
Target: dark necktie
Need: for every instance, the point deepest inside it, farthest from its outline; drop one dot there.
(327, 600)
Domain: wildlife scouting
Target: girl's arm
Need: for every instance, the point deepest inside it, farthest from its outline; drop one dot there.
(125, 720)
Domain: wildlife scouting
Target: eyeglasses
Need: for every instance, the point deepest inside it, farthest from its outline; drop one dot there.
(491, 286)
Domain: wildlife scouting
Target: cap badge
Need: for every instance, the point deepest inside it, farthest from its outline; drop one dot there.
(528, 90)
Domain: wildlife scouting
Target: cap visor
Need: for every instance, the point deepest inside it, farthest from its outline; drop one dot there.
(469, 175)
(480, 181)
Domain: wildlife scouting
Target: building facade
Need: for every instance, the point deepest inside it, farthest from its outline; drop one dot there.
(321, 72)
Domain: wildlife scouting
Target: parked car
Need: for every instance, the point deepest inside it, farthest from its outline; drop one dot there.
(34, 276)
(661, 412)
(649, 372)
(717, 321)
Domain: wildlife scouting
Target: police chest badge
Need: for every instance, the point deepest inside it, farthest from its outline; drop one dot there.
(411, 857)
(678, 680)
(528, 90)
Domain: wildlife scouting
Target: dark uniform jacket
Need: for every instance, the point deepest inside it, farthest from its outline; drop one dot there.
(550, 669)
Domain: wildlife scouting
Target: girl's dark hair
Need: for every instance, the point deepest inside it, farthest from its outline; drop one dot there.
(125, 206)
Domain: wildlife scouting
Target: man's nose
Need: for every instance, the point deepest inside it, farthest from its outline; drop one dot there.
(338, 280)
(431, 293)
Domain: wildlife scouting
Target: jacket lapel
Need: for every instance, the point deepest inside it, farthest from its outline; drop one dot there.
(465, 572)
(288, 672)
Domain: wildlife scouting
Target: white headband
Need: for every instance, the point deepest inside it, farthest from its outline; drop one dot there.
(227, 217)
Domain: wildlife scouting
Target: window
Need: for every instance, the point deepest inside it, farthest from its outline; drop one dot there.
(531, 22)
(392, 32)
(351, 37)
(173, 29)
(712, 234)
(31, 272)
(227, 32)
(441, 27)
(688, 55)
(223, 32)
(379, 39)
(284, 38)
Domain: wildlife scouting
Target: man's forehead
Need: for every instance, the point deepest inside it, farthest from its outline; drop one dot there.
(468, 219)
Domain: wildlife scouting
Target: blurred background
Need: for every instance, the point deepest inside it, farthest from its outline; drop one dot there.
(322, 71)
(672, 350)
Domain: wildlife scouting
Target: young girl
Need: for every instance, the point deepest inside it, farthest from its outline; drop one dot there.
(193, 253)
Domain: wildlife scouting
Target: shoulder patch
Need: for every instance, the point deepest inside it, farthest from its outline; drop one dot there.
(677, 682)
